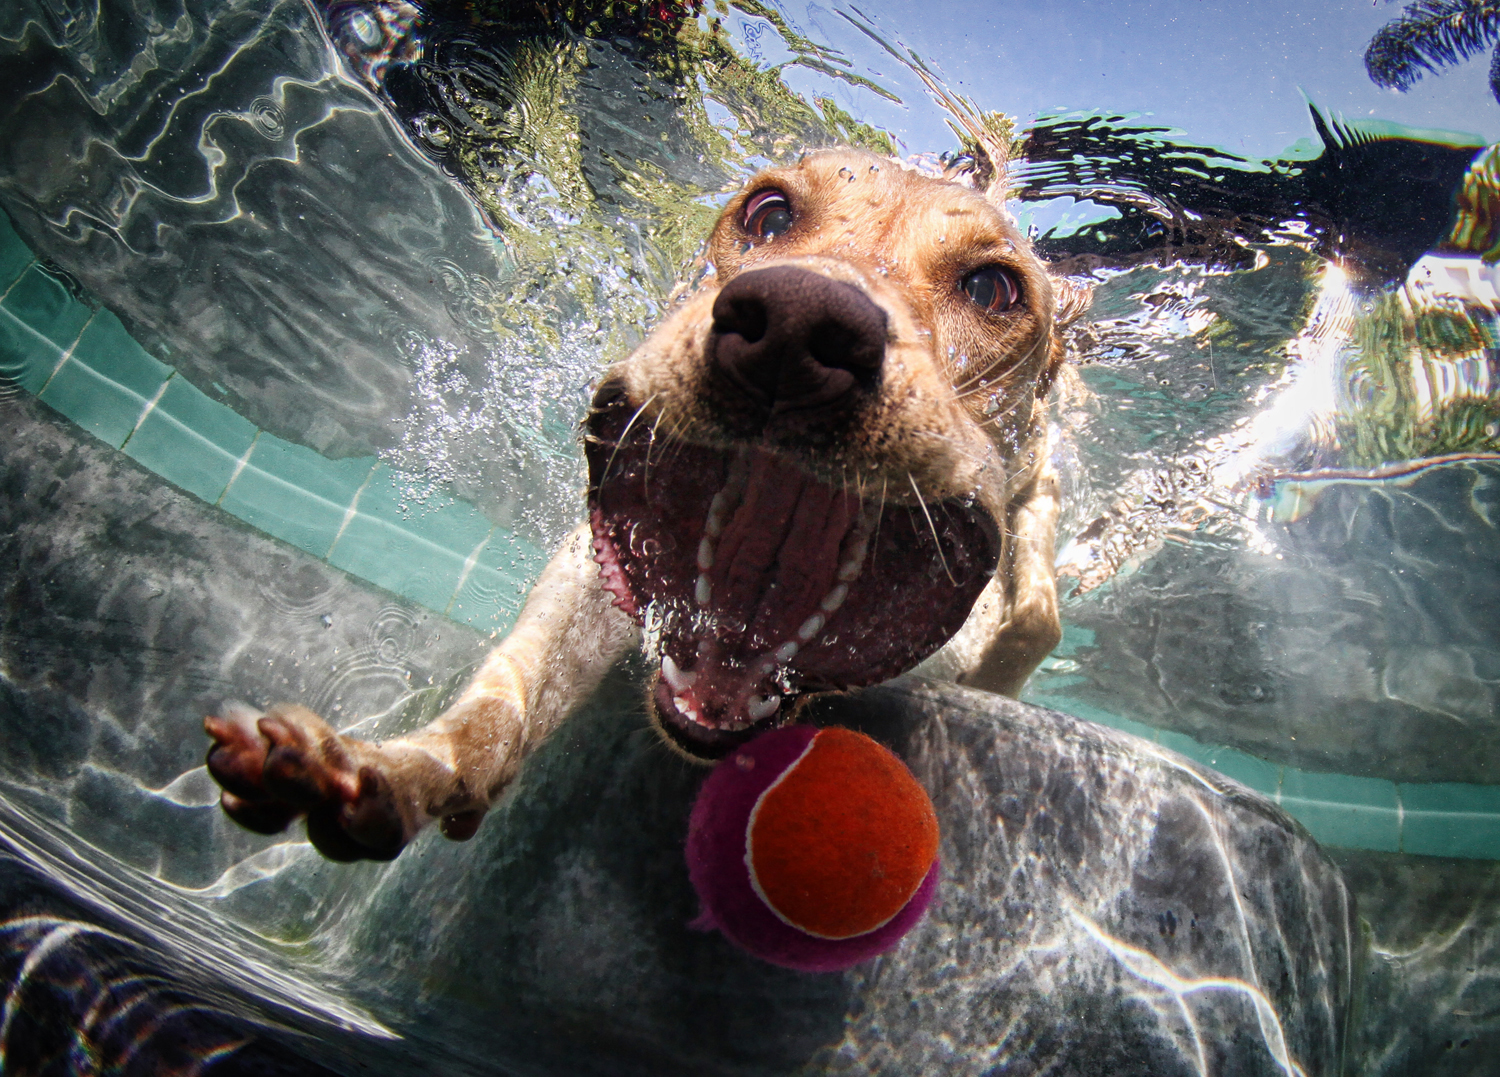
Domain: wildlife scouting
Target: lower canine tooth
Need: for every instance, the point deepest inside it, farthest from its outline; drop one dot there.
(678, 680)
(686, 709)
(716, 509)
(759, 707)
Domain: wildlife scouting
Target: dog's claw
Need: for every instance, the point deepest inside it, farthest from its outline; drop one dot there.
(371, 817)
(263, 817)
(278, 766)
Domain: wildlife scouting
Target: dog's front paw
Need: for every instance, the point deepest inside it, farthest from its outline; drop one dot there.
(289, 762)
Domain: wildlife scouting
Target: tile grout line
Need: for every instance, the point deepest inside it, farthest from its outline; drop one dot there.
(150, 407)
(351, 511)
(238, 467)
(12, 285)
(469, 564)
(67, 352)
(1400, 820)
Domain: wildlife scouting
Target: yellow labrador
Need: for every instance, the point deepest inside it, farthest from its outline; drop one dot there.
(826, 466)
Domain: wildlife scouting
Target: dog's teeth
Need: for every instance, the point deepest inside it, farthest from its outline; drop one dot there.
(679, 681)
(703, 591)
(835, 598)
(810, 627)
(854, 561)
(759, 707)
(786, 652)
(705, 554)
(686, 709)
(717, 508)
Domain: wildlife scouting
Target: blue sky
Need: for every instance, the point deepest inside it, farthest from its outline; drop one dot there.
(1229, 74)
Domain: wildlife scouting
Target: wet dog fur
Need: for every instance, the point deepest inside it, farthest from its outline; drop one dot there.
(950, 416)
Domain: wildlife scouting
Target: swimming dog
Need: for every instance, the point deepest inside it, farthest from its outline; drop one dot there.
(826, 466)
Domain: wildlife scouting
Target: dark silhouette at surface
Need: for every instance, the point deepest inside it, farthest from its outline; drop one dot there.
(1375, 202)
(1431, 34)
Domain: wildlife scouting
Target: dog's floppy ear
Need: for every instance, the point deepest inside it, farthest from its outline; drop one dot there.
(986, 139)
(1071, 299)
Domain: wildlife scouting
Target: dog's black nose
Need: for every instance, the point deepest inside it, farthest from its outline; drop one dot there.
(792, 339)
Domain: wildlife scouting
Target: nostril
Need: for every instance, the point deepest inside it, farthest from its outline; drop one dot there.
(857, 349)
(789, 338)
(741, 315)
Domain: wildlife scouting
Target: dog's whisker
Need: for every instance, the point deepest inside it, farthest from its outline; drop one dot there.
(935, 540)
(978, 374)
(603, 475)
(651, 439)
(650, 444)
(970, 385)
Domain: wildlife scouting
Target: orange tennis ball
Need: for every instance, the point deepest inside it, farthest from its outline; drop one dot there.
(814, 849)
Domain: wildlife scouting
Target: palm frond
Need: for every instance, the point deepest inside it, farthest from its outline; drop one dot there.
(1430, 34)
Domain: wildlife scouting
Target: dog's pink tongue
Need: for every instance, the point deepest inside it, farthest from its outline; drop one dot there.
(775, 562)
(777, 558)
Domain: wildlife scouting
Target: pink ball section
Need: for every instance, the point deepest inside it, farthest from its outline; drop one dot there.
(717, 863)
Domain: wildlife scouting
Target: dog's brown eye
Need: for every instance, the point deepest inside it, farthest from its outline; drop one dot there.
(993, 289)
(767, 214)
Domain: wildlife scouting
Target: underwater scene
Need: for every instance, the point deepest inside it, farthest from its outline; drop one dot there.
(750, 537)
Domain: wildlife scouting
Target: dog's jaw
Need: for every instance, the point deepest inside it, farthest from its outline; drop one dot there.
(756, 582)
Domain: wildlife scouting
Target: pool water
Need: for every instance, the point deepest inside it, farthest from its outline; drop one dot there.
(300, 306)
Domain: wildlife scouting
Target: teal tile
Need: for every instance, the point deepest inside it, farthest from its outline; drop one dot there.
(100, 405)
(1450, 819)
(40, 300)
(192, 441)
(492, 593)
(420, 551)
(107, 381)
(26, 357)
(512, 556)
(1344, 810)
(1090, 713)
(1246, 769)
(488, 601)
(39, 320)
(1074, 639)
(1183, 744)
(294, 493)
(108, 349)
(15, 256)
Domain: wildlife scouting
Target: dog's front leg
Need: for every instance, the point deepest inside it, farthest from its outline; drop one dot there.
(366, 801)
(1014, 624)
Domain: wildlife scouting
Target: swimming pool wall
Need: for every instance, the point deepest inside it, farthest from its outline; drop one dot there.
(354, 515)
(351, 513)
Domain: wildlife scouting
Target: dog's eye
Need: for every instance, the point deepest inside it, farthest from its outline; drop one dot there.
(767, 215)
(993, 289)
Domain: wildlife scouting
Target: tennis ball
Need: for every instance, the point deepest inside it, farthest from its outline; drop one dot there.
(814, 849)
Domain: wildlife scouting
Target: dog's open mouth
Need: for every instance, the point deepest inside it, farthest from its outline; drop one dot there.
(756, 582)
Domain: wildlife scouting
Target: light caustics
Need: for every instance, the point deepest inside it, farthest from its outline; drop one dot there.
(1149, 969)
